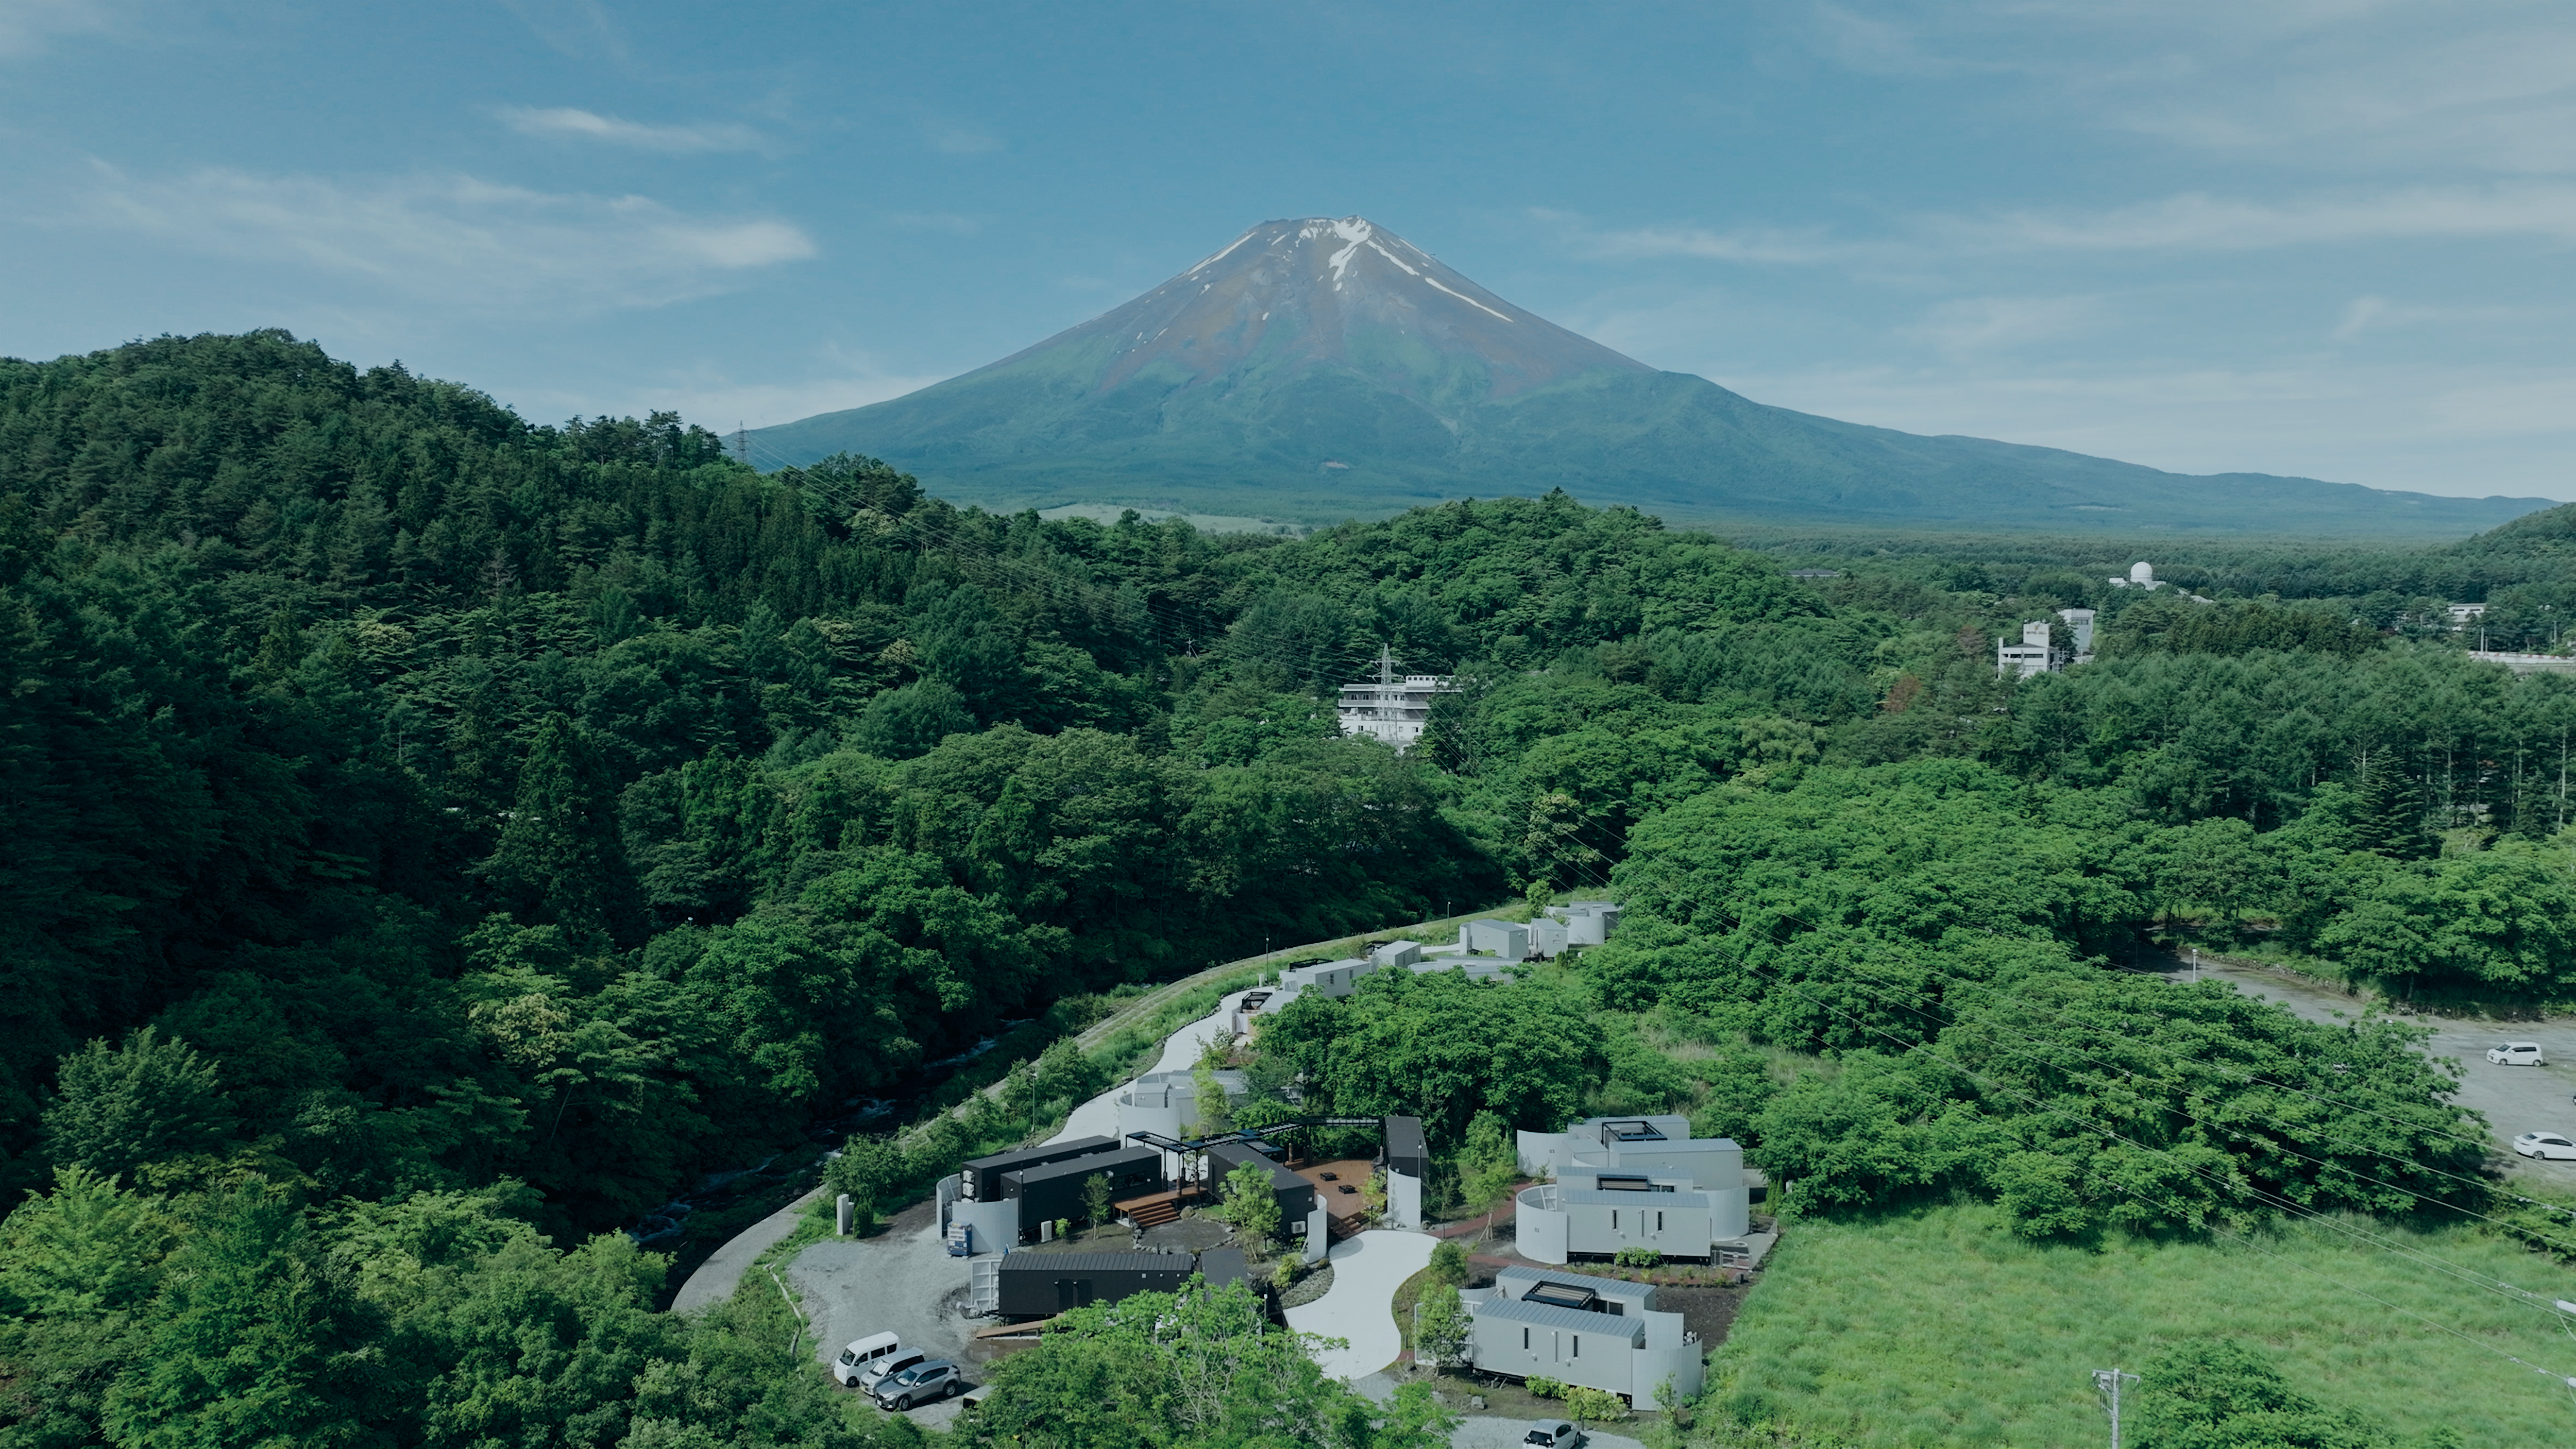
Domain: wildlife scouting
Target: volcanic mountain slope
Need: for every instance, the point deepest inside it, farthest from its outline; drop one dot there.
(1320, 369)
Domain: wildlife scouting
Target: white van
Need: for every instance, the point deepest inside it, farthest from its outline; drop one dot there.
(862, 1355)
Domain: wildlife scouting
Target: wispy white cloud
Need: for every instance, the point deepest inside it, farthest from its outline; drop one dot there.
(2189, 222)
(26, 25)
(2375, 313)
(570, 123)
(454, 239)
(1706, 243)
(2427, 427)
(721, 402)
(2197, 221)
(1967, 326)
(576, 28)
(955, 140)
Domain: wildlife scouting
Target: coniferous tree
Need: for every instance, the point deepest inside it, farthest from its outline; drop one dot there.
(560, 859)
(2392, 811)
(149, 1101)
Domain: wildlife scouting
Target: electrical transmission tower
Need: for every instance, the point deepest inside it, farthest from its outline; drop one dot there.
(2108, 1381)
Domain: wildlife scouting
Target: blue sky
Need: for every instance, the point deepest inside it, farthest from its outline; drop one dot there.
(2322, 237)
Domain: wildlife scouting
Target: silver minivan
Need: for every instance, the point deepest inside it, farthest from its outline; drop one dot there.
(863, 1354)
(888, 1366)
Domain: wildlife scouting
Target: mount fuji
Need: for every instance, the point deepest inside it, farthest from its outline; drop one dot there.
(1325, 368)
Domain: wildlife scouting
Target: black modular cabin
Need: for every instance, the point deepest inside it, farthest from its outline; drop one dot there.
(1405, 1150)
(981, 1179)
(1296, 1195)
(1041, 1285)
(1054, 1190)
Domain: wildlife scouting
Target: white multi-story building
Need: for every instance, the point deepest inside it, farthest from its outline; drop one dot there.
(2029, 657)
(1391, 709)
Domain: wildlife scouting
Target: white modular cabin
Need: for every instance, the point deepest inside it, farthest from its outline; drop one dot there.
(1596, 1215)
(1596, 1332)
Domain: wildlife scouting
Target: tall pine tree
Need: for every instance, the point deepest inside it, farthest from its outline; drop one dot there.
(560, 859)
(2391, 820)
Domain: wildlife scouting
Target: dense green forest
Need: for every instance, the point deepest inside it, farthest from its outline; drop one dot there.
(432, 840)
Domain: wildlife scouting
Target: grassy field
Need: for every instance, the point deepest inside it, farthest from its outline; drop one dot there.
(1938, 1327)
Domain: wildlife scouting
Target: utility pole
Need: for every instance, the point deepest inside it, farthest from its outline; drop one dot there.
(2108, 1381)
(741, 443)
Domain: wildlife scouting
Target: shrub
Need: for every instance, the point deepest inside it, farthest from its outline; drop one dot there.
(1639, 1258)
(1545, 1388)
(1449, 1263)
(1595, 1406)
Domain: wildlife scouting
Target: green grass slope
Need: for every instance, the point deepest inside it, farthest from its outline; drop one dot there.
(1938, 1327)
(1383, 433)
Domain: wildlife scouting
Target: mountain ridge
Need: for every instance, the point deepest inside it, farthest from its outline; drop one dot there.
(1321, 368)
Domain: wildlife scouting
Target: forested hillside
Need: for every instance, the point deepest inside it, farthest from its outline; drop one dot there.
(432, 840)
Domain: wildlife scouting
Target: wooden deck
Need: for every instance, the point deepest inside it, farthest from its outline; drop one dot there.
(1342, 1209)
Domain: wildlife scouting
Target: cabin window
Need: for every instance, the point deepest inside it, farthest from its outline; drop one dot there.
(1524, 1340)
(1614, 1220)
(1659, 1222)
(1578, 1345)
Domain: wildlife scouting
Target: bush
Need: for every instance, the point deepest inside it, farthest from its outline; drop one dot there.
(1545, 1388)
(1639, 1258)
(1449, 1263)
(1595, 1406)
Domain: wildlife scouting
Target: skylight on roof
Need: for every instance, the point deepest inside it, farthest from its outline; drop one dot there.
(1564, 1295)
(1633, 1131)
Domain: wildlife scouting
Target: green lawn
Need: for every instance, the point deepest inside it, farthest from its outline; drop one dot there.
(1936, 1326)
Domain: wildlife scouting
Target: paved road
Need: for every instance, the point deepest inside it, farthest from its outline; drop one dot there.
(1360, 1305)
(2514, 1100)
(714, 1280)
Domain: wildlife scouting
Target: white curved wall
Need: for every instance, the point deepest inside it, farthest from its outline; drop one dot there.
(1541, 1229)
(1734, 1212)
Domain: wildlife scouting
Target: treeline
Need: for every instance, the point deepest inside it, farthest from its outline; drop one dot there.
(431, 839)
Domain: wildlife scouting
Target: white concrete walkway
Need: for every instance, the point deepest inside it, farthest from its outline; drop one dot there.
(1361, 1304)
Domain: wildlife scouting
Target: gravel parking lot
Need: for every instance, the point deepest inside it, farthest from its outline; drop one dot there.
(2514, 1100)
(901, 1281)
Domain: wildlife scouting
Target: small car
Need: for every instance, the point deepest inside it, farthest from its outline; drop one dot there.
(2545, 1145)
(1553, 1434)
(936, 1379)
(2516, 1054)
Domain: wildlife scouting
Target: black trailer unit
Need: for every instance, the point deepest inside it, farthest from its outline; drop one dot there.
(1054, 1190)
(981, 1179)
(1041, 1285)
(1405, 1150)
(1296, 1194)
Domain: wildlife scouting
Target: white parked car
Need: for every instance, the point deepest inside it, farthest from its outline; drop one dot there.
(2516, 1054)
(1553, 1434)
(2544, 1144)
(863, 1354)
